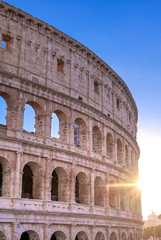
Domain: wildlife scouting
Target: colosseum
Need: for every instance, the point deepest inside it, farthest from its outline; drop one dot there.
(78, 184)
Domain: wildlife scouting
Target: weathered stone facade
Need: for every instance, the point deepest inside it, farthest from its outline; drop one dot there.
(80, 184)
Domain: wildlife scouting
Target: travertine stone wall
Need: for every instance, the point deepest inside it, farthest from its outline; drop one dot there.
(81, 184)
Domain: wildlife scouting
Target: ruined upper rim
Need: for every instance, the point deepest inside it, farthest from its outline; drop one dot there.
(51, 31)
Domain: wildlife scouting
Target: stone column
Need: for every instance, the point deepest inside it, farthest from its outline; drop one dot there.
(20, 62)
(72, 186)
(47, 120)
(71, 130)
(88, 80)
(107, 194)
(119, 234)
(118, 197)
(132, 202)
(107, 233)
(135, 238)
(113, 98)
(115, 149)
(89, 136)
(15, 233)
(47, 190)
(104, 144)
(128, 159)
(123, 153)
(69, 68)
(11, 119)
(72, 232)
(47, 53)
(17, 186)
(127, 199)
(46, 231)
(20, 114)
(72, 72)
(128, 233)
(92, 191)
(92, 232)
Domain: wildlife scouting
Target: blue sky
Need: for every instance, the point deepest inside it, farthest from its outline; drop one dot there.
(126, 35)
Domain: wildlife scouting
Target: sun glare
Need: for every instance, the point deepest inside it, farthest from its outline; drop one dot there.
(140, 185)
(119, 185)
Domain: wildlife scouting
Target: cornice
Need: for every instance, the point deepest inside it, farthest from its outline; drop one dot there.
(70, 214)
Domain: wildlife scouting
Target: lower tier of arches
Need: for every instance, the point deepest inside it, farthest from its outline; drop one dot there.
(69, 231)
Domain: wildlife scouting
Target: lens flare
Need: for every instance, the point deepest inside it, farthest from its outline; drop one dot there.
(123, 185)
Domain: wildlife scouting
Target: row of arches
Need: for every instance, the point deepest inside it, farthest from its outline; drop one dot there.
(59, 235)
(118, 195)
(34, 122)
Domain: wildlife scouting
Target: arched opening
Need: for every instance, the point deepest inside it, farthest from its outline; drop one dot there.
(59, 185)
(3, 111)
(113, 236)
(113, 195)
(54, 189)
(123, 236)
(76, 190)
(109, 145)
(27, 183)
(34, 118)
(29, 119)
(32, 181)
(55, 126)
(1, 179)
(136, 236)
(99, 192)
(7, 112)
(58, 235)
(2, 236)
(80, 133)
(119, 151)
(100, 236)
(81, 236)
(29, 235)
(25, 236)
(5, 177)
(126, 156)
(97, 140)
(59, 126)
(53, 237)
(131, 236)
(81, 189)
(76, 134)
(60, 65)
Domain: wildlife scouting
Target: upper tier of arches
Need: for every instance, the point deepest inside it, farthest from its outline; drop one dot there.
(56, 61)
(71, 128)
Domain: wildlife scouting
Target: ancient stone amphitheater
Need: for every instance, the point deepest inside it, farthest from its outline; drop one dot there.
(79, 184)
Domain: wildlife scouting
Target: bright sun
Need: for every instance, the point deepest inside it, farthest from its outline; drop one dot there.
(139, 185)
(149, 172)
